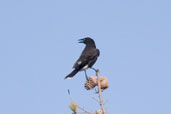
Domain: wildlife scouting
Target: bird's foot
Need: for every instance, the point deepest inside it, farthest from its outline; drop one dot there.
(86, 74)
(94, 69)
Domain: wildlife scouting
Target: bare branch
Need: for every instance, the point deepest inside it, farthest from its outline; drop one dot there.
(95, 99)
(85, 111)
(100, 92)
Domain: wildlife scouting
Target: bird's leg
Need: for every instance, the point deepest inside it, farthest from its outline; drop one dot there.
(94, 69)
(86, 75)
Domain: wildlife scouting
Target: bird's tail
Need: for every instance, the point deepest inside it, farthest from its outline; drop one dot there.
(71, 74)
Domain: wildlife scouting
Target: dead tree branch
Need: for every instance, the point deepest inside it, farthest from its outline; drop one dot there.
(100, 92)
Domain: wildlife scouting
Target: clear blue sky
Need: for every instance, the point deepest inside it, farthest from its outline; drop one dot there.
(38, 47)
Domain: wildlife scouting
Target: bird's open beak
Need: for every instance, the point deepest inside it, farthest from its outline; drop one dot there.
(81, 41)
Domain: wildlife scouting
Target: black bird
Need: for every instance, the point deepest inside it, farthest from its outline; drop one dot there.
(87, 58)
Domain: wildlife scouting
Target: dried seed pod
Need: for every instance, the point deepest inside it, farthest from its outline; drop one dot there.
(73, 106)
(103, 82)
(91, 82)
(98, 112)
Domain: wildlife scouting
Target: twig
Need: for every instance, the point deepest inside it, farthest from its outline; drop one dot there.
(84, 110)
(100, 93)
(70, 95)
(95, 99)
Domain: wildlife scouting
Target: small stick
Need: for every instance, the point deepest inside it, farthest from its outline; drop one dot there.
(84, 110)
(95, 99)
(100, 92)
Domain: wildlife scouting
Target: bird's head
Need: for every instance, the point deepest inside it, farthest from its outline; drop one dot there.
(86, 40)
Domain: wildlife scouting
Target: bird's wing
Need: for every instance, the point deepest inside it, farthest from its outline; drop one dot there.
(85, 58)
(81, 62)
(93, 57)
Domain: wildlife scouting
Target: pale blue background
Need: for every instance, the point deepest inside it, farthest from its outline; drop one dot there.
(38, 47)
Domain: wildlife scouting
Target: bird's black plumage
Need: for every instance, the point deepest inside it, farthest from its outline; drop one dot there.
(87, 58)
